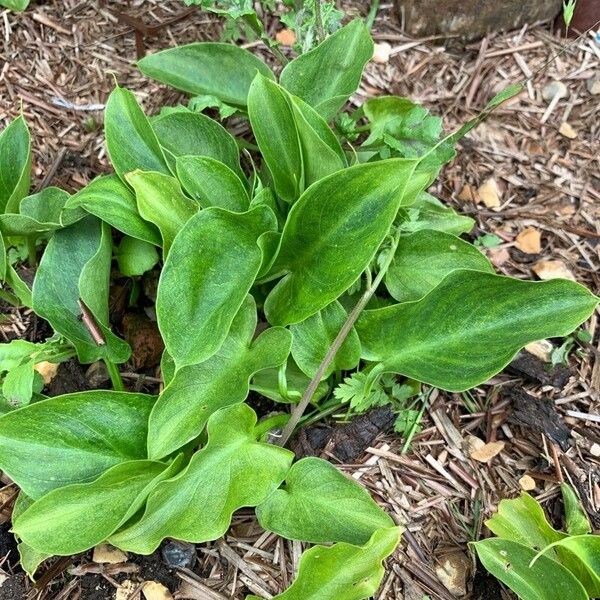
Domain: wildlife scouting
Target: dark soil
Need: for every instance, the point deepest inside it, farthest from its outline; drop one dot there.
(15, 588)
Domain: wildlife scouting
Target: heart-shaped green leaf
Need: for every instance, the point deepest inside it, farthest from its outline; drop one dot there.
(274, 128)
(195, 134)
(314, 336)
(329, 74)
(424, 258)
(212, 183)
(210, 269)
(342, 571)
(319, 504)
(197, 391)
(231, 471)
(161, 201)
(332, 233)
(130, 139)
(73, 277)
(470, 326)
(546, 579)
(39, 213)
(111, 200)
(221, 70)
(72, 438)
(79, 516)
(15, 166)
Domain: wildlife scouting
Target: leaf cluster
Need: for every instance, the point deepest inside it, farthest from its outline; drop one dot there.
(265, 262)
(537, 561)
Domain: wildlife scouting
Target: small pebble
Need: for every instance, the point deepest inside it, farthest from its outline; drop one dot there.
(567, 131)
(593, 86)
(527, 483)
(555, 88)
(381, 53)
(179, 554)
(595, 450)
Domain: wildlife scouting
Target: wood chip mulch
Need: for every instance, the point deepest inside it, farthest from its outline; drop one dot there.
(58, 60)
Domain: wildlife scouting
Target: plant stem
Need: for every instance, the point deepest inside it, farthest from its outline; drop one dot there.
(319, 21)
(372, 14)
(31, 252)
(115, 376)
(266, 425)
(339, 340)
(279, 55)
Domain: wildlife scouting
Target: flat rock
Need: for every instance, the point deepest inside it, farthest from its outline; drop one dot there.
(472, 19)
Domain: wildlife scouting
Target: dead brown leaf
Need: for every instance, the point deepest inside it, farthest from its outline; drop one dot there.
(487, 451)
(153, 590)
(489, 192)
(552, 269)
(529, 241)
(286, 37)
(47, 370)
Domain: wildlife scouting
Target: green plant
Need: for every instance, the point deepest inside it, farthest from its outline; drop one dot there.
(16, 5)
(537, 561)
(568, 12)
(340, 254)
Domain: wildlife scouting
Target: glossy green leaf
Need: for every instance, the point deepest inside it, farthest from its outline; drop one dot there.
(39, 213)
(546, 579)
(135, 257)
(233, 470)
(331, 235)
(446, 338)
(17, 387)
(194, 134)
(319, 504)
(72, 438)
(15, 172)
(270, 384)
(274, 128)
(3, 259)
(161, 201)
(197, 391)
(328, 75)
(296, 143)
(130, 139)
(586, 550)
(342, 571)
(20, 289)
(575, 516)
(523, 520)
(29, 558)
(14, 353)
(75, 271)
(59, 523)
(424, 258)
(221, 70)
(16, 5)
(314, 336)
(428, 212)
(210, 269)
(212, 183)
(111, 200)
(322, 154)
